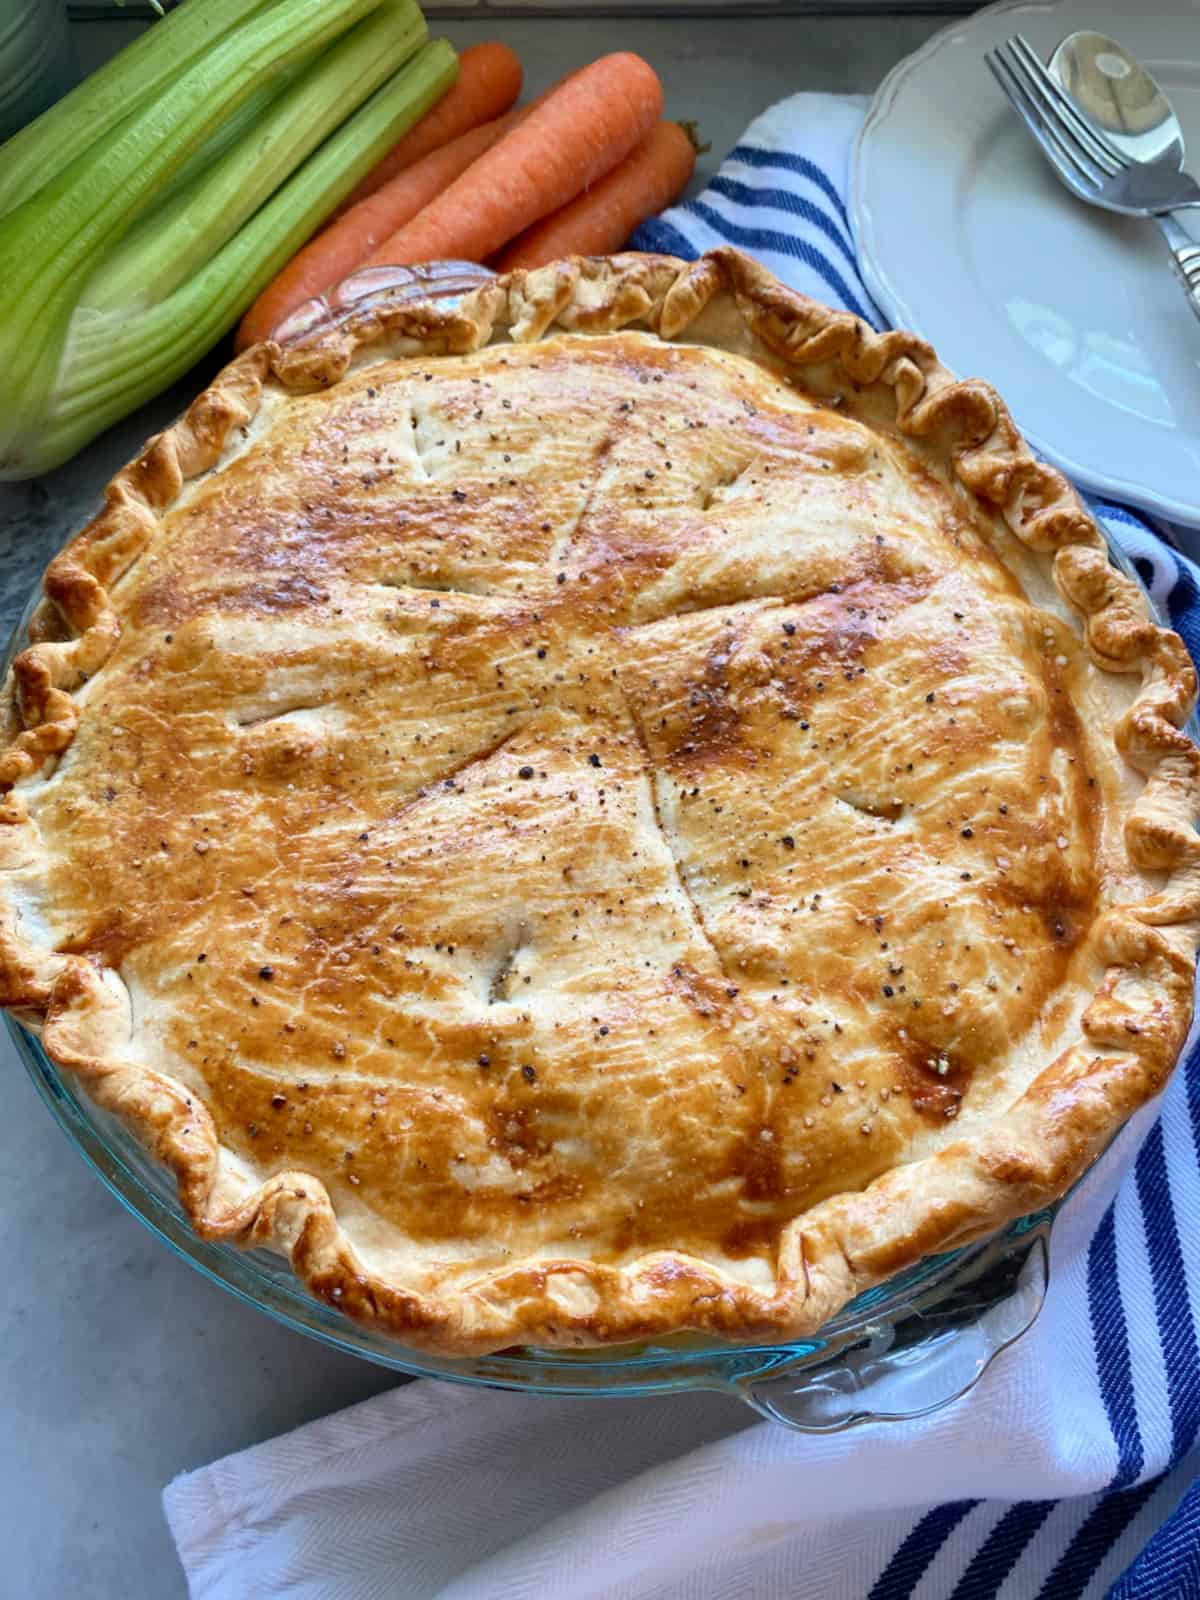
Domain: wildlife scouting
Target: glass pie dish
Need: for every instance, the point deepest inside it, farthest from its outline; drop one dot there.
(903, 1349)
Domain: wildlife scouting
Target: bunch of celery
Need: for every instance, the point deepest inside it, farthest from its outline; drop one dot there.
(142, 214)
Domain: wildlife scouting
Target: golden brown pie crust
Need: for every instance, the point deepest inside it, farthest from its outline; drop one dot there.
(622, 803)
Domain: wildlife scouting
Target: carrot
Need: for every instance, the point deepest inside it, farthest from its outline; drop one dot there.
(342, 247)
(586, 127)
(600, 220)
(489, 82)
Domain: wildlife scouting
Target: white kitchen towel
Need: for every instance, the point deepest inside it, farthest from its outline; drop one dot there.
(1068, 1470)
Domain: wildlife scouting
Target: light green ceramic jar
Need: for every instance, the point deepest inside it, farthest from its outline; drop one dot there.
(37, 62)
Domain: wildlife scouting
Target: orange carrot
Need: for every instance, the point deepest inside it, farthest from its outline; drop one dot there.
(489, 82)
(342, 247)
(600, 220)
(585, 128)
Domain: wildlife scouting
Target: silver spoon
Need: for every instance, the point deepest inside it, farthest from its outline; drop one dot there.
(1116, 93)
(1121, 100)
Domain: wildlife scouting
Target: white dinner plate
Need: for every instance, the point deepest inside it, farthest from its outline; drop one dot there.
(967, 238)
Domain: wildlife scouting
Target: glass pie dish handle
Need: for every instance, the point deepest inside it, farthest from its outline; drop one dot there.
(432, 280)
(905, 1366)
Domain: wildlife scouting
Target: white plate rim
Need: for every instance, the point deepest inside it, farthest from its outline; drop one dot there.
(889, 298)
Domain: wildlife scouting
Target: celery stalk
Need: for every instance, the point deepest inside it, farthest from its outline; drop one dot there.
(114, 361)
(174, 240)
(239, 123)
(106, 97)
(52, 241)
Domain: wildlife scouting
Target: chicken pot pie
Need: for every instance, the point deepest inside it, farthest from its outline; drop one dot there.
(623, 802)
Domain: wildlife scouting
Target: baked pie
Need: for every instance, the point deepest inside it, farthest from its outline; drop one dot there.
(617, 803)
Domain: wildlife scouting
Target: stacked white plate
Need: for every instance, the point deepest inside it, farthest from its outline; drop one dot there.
(967, 237)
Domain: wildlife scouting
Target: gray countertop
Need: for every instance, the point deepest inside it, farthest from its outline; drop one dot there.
(122, 1366)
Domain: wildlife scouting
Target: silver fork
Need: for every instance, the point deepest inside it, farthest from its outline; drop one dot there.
(1090, 166)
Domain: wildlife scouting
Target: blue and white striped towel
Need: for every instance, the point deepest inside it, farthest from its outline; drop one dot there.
(1069, 1471)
